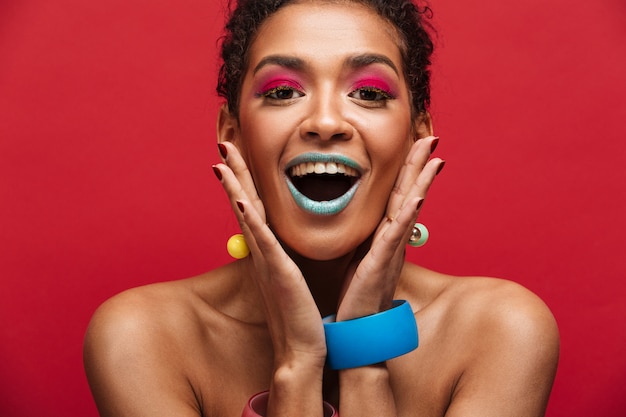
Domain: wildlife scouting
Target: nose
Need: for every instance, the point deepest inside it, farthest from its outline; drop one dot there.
(325, 119)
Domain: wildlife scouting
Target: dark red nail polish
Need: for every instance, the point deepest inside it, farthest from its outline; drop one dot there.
(440, 167)
(419, 204)
(240, 206)
(433, 145)
(218, 173)
(223, 150)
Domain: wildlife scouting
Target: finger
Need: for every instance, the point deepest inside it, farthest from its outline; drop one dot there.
(425, 178)
(280, 267)
(415, 162)
(393, 239)
(416, 159)
(374, 282)
(418, 191)
(232, 157)
(390, 241)
(235, 192)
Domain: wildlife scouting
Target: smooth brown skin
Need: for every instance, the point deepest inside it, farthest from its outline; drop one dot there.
(200, 347)
(204, 345)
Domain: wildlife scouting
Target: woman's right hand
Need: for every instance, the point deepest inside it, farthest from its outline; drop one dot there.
(293, 319)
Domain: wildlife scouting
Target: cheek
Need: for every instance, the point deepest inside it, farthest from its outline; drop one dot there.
(264, 127)
(388, 153)
(392, 145)
(257, 135)
(261, 142)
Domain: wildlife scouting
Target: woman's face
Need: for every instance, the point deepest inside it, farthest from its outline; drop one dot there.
(324, 92)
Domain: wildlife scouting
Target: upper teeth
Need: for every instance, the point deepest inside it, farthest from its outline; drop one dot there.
(305, 168)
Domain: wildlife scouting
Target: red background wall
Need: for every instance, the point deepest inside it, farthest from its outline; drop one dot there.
(107, 136)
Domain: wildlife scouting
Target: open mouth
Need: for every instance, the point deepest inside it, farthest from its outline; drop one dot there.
(323, 184)
(321, 181)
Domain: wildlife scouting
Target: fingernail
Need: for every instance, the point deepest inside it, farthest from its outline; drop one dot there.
(440, 167)
(240, 206)
(218, 173)
(223, 150)
(419, 204)
(433, 145)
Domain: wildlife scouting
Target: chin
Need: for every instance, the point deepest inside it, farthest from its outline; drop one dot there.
(321, 248)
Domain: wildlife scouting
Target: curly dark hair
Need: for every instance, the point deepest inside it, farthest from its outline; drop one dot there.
(410, 20)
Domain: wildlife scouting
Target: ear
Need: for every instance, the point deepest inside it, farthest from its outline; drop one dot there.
(227, 125)
(423, 125)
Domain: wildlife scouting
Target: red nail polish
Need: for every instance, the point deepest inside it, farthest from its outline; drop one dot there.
(223, 150)
(419, 204)
(440, 167)
(433, 145)
(218, 173)
(240, 206)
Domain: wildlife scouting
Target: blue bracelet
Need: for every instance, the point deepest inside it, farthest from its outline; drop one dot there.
(371, 339)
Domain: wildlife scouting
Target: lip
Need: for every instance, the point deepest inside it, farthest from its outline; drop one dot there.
(323, 208)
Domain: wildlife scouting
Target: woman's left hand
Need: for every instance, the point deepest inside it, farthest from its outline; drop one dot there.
(375, 270)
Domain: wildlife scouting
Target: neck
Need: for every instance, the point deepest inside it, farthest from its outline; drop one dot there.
(325, 280)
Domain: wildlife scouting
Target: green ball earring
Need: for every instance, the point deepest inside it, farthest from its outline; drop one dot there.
(419, 235)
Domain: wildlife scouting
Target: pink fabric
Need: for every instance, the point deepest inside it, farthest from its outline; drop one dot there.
(257, 406)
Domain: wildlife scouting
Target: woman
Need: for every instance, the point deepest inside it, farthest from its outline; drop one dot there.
(339, 88)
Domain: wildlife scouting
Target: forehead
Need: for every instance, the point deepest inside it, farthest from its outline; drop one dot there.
(321, 31)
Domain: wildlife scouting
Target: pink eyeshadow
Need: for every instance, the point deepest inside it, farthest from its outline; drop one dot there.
(376, 79)
(375, 83)
(277, 80)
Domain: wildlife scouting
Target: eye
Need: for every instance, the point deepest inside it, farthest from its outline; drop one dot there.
(282, 92)
(370, 94)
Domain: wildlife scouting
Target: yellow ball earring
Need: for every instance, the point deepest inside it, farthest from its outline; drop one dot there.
(237, 246)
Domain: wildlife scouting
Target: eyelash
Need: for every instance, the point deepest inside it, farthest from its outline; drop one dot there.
(381, 97)
(267, 94)
(384, 95)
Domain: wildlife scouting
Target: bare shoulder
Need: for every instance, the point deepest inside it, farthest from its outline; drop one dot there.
(500, 342)
(503, 306)
(130, 350)
(484, 305)
(141, 346)
(513, 349)
(175, 348)
(137, 317)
